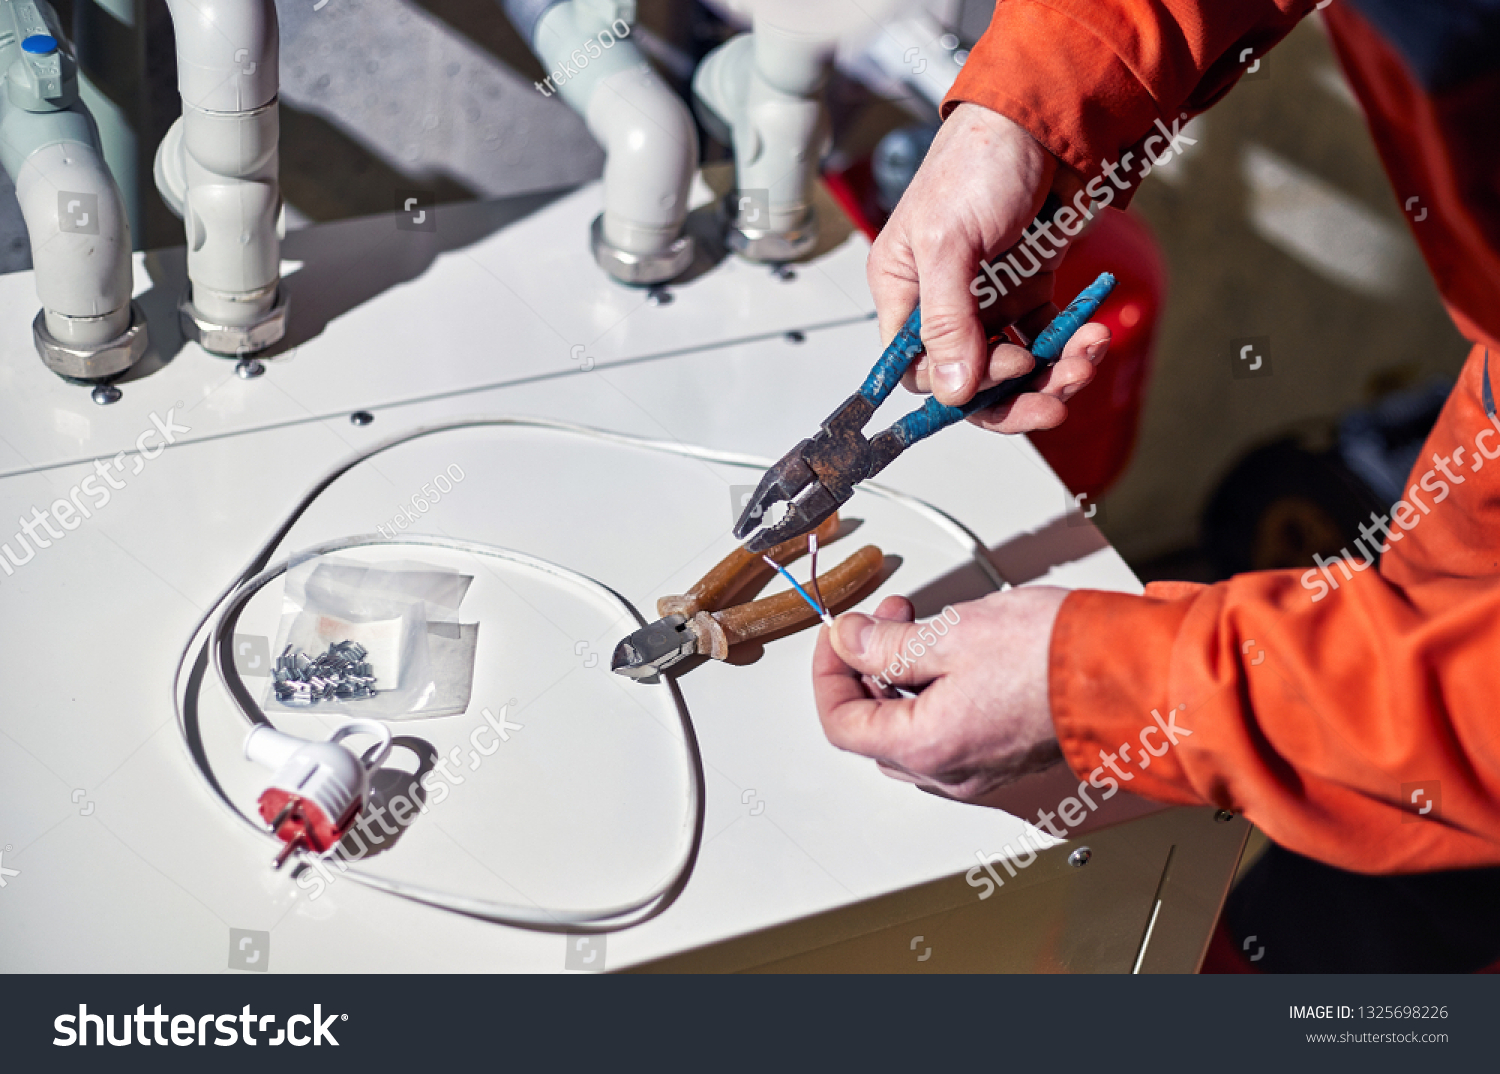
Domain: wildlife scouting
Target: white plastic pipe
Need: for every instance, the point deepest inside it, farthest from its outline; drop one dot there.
(82, 277)
(218, 165)
(766, 89)
(75, 218)
(647, 132)
(651, 148)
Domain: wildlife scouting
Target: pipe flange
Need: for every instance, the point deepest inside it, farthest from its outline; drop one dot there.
(233, 341)
(640, 268)
(94, 361)
(765, 246)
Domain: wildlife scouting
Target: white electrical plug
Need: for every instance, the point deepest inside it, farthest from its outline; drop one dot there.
(318, 788)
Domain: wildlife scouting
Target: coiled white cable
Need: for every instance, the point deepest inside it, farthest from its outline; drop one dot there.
(226, 607)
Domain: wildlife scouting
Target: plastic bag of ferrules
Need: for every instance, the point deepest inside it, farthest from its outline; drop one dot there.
(372, 639)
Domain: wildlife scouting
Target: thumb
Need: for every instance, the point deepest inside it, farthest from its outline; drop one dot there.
(885, 648)
(957, 350)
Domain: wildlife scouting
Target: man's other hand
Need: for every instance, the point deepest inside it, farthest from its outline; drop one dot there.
(980, 717)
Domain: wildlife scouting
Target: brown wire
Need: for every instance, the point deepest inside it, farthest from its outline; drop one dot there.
(812, 552)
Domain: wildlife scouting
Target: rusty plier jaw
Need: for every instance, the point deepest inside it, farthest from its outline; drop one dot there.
(819, 474)
(816, 477)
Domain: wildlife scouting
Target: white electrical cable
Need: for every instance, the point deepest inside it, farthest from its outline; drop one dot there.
(256, 574)
(222, 648)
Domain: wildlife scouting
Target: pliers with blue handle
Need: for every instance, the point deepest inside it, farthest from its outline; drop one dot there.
(819, 474)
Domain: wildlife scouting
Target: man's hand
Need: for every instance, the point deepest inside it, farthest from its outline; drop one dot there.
(981, 718)
(982, 183)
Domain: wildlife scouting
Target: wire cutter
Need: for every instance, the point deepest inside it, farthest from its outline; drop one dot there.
(697, 622)
(819, 474)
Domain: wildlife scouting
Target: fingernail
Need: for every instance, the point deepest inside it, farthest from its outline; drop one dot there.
(1093, 350)
(951, 376)
(1070, 390)
(854, 633)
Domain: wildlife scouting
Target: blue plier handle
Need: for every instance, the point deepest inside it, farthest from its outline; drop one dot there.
(820, 473)
(933, 415)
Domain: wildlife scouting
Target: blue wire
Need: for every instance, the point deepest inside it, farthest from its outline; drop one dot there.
(822, 614)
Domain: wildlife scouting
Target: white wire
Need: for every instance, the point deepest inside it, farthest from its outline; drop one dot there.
(256, 575)
(222, 648)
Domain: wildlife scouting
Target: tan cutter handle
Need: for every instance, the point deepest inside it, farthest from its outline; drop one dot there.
(735, 571)
(718, 631)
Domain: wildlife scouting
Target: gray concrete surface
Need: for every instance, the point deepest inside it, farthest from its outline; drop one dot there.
(380, 95)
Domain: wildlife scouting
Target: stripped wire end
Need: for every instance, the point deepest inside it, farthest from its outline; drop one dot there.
(779, 569)
(812, 553)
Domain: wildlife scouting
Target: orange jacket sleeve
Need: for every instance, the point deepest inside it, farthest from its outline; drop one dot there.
(1090, 78)
(1349, 712)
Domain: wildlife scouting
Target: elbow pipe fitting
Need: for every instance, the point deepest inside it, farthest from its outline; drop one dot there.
(762, 92)
(217, 169)
(650, 142)
(88, 328)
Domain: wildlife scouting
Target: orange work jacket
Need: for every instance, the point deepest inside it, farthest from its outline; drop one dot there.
(1349, 712)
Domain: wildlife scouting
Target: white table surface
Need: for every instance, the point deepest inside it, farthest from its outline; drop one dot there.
(121, 859)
